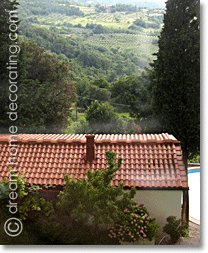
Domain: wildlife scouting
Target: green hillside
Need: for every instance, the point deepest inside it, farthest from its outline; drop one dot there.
(114, 27)
(106, 46)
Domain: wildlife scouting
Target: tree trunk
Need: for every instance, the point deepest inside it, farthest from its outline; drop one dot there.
(185, 207)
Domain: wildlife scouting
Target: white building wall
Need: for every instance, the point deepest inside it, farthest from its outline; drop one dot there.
(160, 204)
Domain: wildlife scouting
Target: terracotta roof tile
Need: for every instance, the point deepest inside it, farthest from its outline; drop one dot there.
(148, 160)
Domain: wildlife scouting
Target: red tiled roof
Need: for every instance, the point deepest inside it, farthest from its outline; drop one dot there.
(148, 160)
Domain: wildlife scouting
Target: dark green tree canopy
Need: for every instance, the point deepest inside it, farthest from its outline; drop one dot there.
(46, 91)
(5, 7)
(102, 117)
(176, 74)
(133, 92)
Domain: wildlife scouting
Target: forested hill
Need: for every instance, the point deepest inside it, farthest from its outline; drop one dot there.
(107, 48)
(97, 42)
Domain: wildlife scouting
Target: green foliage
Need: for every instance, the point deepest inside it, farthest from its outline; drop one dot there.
(92, 58)
(29, 236)
(175, 228)
(102, 118)
(91, 201)
(176, 75)
(194, 158)
(101, 83)
(95, 205)
(141, 23)
(98, 53)
(31, 208)
(5, 7)
(134, 92)
(4, 190)
(97, 29)
(136, 226)
(28, 198)
(116, 8)
(89, 59)
(99, 112)
(78, 126)
(86, 211)
(123, 124)
(49, 98)
(93, 33)
(42, 7)
(45, 91)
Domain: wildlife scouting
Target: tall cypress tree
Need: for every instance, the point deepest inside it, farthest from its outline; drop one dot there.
(5, 7)
(4, 38)
(176, 74)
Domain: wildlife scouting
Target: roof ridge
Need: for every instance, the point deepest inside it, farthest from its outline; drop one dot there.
(99, 138)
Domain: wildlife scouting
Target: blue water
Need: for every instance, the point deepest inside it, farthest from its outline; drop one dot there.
(193, 171)
(194, 192)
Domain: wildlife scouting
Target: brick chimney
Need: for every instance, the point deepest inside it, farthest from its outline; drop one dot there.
(90, 148)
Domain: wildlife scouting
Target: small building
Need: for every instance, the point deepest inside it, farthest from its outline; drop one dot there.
(152, 163)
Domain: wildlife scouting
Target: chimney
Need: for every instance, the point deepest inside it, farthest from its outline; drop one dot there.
(90, 148)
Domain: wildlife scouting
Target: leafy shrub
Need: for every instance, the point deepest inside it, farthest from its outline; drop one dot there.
(87, 211)
(137, 225)
(29, 200)
(194, 158)
(108, 214)
(175, 228)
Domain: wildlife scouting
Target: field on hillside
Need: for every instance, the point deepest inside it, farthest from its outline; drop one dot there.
(111, 20)
(141, 42)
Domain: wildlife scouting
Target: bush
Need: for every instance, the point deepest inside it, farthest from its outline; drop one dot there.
(137, 225)
(175, 228)
(92, 211)
(87, 211)
(195, 158)
(102, 118)
(29, 200)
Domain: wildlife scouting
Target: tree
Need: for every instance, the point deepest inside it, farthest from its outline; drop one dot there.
(92, 211)
(87, 211)
(102, 118)
(87, 92)
(5, 7)
(133, 92)
(135, 95)
(94, 92)
(45, 91)
(176, 75)
(28, 205)
(5, 17)
(101, 83)
(175, 228)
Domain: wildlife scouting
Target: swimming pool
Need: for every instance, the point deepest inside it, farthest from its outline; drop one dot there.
(193, 171)
(194, 192)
